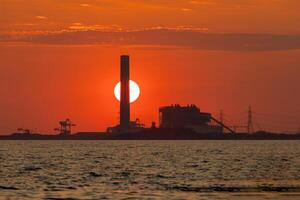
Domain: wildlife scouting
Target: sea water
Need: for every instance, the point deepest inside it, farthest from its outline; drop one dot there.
(149, 169)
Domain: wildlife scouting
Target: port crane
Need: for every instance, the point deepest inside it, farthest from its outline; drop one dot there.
(65, 127)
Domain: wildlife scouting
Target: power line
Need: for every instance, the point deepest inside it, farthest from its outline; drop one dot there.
(251, 124)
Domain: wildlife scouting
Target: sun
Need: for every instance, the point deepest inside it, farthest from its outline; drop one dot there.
(134, 91)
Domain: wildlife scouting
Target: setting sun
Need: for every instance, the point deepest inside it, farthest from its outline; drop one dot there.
(134, 91)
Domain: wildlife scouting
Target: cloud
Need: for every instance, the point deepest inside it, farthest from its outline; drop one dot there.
(85, 5)
(185, 9)
(191, 37)
(226, 2)
(77, 26)
(41, 17)
(202, 2)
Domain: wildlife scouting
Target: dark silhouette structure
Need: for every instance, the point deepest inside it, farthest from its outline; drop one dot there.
(250, 128)
(175, 123)
(187, 117)
(24, 131)
(125, 125)
(125, 94)
(65, 128)
(176, 116)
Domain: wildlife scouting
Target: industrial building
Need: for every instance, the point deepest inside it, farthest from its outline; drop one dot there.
(187, 117)
(176, 122)
(170, 117)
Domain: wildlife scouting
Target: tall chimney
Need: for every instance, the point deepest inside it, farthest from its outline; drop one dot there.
(125, 94)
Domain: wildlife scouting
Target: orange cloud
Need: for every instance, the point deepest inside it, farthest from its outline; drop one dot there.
(159, 36)
(41, 17)
(85, 5)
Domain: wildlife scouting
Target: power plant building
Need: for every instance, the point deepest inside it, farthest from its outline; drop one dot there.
(181, 117)
(170, 117)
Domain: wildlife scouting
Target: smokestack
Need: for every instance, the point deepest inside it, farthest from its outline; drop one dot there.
(125, 94)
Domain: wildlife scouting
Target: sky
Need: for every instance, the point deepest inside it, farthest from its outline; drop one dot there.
(60, 59)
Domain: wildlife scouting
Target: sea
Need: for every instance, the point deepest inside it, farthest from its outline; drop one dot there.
(150, 170)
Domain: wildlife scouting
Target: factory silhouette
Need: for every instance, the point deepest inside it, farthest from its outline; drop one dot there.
(170, 117)
(176, 122)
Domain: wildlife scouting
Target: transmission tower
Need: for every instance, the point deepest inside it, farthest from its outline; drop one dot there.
(222, 118)
(250, 121)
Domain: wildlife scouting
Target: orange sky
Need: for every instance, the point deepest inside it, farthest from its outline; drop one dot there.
(60, 58)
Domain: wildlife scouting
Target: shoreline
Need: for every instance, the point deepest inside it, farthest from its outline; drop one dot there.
(155, 134)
